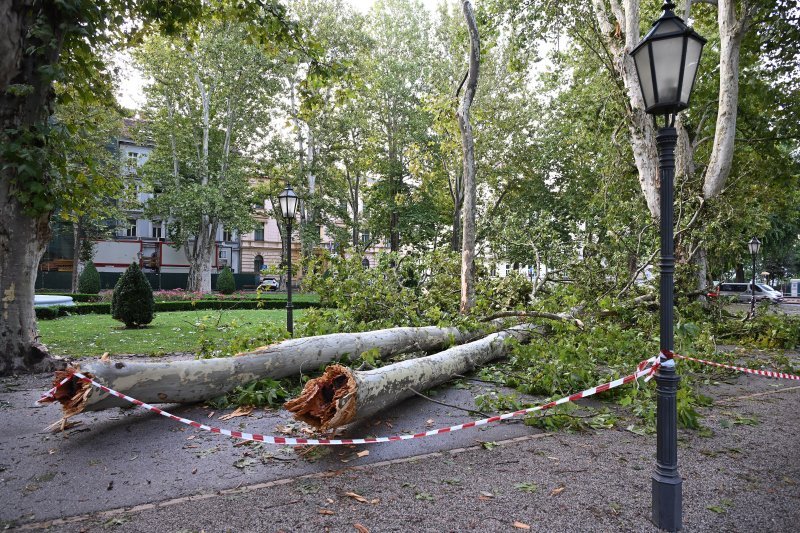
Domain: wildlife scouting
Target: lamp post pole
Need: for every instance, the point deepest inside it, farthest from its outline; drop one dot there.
(753, 289)
(288, 202)
(754, 246)
(666, 63)
(666, 481)
(289, 307)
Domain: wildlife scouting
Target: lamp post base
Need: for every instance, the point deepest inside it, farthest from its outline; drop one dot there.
(667, 502)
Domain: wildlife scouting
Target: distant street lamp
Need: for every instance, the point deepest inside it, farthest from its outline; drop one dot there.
(666, 62)
(754, 245)
(288, 200)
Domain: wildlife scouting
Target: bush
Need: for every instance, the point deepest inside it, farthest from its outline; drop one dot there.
(89, 280)
(132, 302)
(225, 282)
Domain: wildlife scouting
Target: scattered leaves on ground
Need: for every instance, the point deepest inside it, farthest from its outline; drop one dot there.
(240, 411)
(356, 497)
(521, 525)
(557, 491)
(423, 496)
(526, 486)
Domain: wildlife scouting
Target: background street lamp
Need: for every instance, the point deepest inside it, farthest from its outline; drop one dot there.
(666, 62)
(288, 201)
(754, 245)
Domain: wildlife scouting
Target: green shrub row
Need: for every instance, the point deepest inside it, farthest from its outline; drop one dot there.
(104, 308)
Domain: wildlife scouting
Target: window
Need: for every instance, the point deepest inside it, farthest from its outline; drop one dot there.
(130, 229)
(365, 237)
(227, 235)
(259, 233)
(131, 161)
(223, 254)
(157, 234)
(258, 263)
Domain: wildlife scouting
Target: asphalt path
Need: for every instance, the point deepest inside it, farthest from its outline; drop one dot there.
(130, 470)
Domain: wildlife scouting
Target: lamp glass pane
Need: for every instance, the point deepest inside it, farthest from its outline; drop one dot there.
(667, 59)
(668, 26)
(693, 50)
(291, 206)
(642, 61)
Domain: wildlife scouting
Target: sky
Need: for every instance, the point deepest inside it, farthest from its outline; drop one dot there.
(130, 92)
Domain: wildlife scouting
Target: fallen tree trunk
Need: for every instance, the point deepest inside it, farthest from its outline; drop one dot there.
(198, 380)
(343, 396)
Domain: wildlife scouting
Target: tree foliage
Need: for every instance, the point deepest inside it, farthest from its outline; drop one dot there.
(132, 302)
(89, 282)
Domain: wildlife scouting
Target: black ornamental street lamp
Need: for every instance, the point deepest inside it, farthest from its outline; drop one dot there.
(288, 201)
(754, 245)
(666, 62)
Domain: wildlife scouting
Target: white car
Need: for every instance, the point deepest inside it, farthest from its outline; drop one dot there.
(269, 284)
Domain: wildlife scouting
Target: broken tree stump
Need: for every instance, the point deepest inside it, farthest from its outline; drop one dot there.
(198, 380)
(343, 396)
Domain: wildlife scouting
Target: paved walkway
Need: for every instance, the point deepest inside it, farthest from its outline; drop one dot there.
(135, 471)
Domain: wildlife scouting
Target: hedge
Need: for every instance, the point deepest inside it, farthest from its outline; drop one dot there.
(104, 308)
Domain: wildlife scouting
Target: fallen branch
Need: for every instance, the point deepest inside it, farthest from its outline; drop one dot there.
(535, 314)
(198, 380)
(342, 396)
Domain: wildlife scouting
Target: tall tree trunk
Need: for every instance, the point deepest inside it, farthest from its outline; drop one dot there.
(739, 273)
(731, 32)
(640, 125)
(25, 58)
(457, 194)
(200, 258)
(468, 146)
(395, 175)
(23, 240)
(76, 255)
(353, 185)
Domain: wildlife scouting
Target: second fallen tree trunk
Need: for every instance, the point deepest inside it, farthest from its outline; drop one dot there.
(194, 381)
(343, 396)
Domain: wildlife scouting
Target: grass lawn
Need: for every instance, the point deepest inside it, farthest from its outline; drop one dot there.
(169, 332)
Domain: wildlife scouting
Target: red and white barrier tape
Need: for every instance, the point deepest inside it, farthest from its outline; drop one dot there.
(765, 373)
(646, 368)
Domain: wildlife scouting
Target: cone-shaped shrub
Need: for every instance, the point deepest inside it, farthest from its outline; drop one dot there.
(132, 302)
(225, 282)
(89, 280)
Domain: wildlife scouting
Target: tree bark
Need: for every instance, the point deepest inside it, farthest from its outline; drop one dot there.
(468, 146)
(199, 380)
(200, 256)
(342, 396)
(731, 32)
(76, 255)
(640, 124)
(457, 194)
(23, 240)
(24, 60)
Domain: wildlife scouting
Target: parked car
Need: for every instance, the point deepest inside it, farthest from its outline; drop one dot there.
(269, 283)
(742, 293)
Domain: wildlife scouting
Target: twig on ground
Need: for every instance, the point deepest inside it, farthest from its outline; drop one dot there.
(448, 405)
